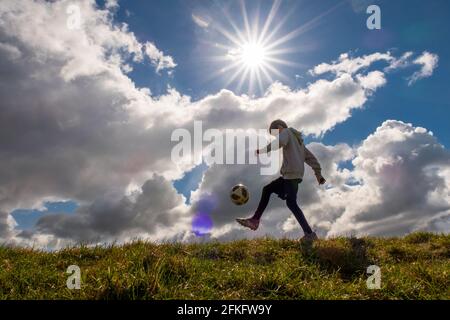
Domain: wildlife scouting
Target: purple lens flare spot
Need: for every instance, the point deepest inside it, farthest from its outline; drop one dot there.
(201, 224)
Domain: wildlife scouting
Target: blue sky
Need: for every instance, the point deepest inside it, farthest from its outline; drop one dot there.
(406, 26)
(26, 219)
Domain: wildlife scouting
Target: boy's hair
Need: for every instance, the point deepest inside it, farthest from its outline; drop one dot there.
(277, 123)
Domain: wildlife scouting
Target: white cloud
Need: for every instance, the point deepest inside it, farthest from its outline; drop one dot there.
(346, 64)
(429, 62)
(401, 62)
(350, 65)
(112, 4)
(158, 58)
(403, 170)
(93, 127)
(372, 80)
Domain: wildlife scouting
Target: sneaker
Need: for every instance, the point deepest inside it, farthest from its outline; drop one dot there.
(310, 237)
(249, 223)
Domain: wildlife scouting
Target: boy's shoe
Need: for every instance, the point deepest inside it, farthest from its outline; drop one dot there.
(249, 223)
(310, 237)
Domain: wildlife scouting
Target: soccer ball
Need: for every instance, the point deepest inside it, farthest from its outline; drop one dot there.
(239, 194)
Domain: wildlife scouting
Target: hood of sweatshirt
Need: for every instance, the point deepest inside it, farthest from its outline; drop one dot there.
(298, 134)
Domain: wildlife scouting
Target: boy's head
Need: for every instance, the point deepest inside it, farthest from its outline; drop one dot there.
(277, 125)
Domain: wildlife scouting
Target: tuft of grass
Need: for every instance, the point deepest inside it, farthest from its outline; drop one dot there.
(419, 237)
(414, 267)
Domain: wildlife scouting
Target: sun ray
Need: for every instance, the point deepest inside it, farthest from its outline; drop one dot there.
(229, 36)
(270, 17)
(234, 65)
(276, 28)
(233, 25)
(258, 78)
(255, 27)
(284, 62)
(237, 65)
(276, 71)
(266, 74)
(246, 23)
(251, 81)
(243, 77)
(288, 50)
(302, 29)
(235, 75)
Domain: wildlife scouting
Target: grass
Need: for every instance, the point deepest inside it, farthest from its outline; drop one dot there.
(414, 267)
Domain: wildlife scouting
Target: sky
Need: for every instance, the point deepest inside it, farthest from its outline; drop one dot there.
(88, 107)
(342, 30)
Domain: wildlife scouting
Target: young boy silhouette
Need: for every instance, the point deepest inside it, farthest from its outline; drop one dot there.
(295, 154)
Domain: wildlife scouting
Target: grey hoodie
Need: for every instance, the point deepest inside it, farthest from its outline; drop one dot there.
(295, 154)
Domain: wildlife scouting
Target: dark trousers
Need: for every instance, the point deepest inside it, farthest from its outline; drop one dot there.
(286, 189)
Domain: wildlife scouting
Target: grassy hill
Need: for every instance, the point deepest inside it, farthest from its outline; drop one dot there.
(414, 267)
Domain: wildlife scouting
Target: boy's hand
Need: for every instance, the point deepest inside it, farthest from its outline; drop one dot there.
(320, 179)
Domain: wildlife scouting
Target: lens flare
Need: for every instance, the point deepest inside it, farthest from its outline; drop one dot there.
(202, 224)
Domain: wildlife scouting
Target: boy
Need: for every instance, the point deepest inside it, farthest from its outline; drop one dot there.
(294, 155)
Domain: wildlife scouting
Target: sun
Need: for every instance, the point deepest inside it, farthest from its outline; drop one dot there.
(253, 55)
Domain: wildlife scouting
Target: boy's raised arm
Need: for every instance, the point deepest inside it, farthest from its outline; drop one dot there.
(311, 161)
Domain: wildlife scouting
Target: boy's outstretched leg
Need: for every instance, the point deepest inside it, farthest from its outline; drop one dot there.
(273, 187)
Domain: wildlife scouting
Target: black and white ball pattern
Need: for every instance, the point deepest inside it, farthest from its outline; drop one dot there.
(239, 194)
